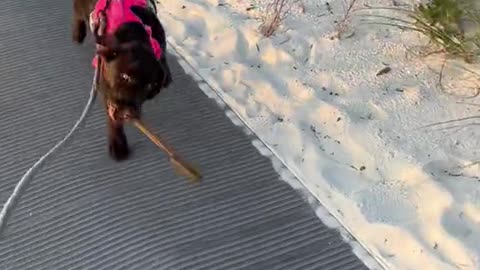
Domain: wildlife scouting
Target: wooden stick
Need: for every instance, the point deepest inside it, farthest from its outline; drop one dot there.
(180, 166)
(141, 126)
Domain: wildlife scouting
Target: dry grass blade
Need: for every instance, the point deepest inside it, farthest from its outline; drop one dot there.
(369, 8)
(395, 25)
(181, 167)
(472, 164)
(453, 121)
(342, 25)
(469, 103)
(276, 12)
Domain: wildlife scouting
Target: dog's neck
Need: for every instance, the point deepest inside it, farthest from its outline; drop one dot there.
(131, 31)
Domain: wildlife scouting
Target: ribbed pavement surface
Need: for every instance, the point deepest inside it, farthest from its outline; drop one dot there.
(84, 211)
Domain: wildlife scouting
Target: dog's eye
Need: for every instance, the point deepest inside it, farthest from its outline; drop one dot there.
(126, 78)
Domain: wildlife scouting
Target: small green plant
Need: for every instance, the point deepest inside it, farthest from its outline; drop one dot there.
(452, 24)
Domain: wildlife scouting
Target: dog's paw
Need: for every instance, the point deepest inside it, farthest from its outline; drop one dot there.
(168, 80)
(118, 148)
(79, 31)
(168, 74)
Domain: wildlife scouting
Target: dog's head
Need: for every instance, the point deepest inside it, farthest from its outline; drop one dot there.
(131, 72)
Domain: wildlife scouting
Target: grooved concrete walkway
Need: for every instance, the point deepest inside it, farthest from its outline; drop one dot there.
(84, 211)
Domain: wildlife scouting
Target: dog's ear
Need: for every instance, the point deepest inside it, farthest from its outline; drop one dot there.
(161, 79)
(106, 53)
(164, 73)
(154, 86)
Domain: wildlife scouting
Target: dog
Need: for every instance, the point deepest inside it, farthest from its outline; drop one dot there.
(134, 66)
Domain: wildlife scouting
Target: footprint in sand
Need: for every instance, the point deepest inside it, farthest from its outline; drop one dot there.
(391, 202)
(346, 181)
(332, 86)
(455, 180)
(327, 119)
(361, 112)
(461, 226)
(293, 149)
(404, 94)
(231, 45)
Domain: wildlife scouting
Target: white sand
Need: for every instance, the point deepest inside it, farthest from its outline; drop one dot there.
(356, 140)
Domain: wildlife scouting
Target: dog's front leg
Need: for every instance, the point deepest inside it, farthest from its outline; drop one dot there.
(79, 25)
(117, 141)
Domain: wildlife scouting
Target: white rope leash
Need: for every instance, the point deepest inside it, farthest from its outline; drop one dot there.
(25, 180)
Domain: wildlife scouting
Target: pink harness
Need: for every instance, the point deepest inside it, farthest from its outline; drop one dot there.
(118, 13)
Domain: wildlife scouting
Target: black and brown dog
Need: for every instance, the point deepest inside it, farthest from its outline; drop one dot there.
(132, 71)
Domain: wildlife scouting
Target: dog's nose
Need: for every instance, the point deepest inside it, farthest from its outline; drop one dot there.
(130, 114)
(127, 115)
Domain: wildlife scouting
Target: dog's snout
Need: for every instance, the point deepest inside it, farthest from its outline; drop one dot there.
(127, 115)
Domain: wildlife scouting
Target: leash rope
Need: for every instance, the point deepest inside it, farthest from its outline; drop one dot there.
(22, 185)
